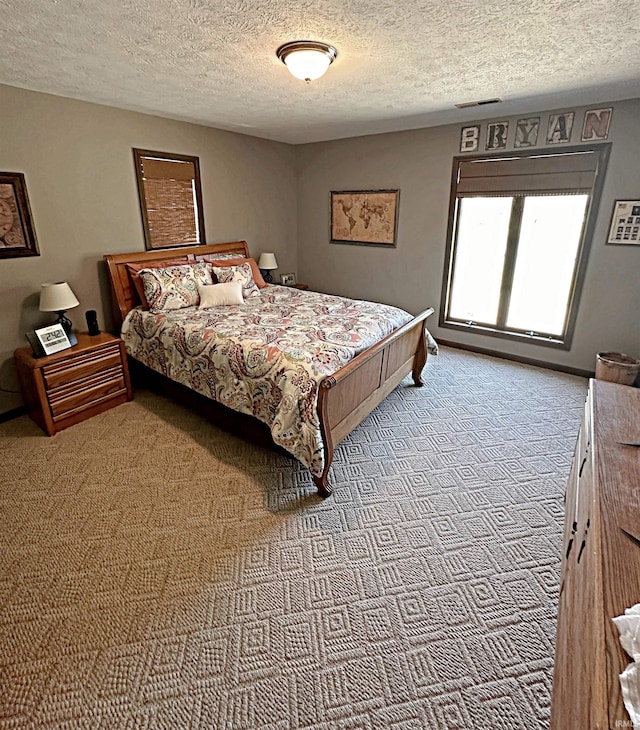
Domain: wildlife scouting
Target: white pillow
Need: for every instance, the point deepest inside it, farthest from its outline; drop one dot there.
(214, 295)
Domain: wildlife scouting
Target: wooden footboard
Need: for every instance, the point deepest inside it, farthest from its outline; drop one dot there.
(347, 397)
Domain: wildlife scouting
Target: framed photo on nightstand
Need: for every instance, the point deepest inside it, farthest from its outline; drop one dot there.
(288, 279)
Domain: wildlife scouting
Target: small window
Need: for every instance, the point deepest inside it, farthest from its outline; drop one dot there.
(517, 243)
(170, 199)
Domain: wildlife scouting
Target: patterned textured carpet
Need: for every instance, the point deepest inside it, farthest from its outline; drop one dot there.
(157, 572)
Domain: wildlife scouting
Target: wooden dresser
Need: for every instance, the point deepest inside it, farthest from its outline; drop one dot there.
(74, 384)
(600, 563)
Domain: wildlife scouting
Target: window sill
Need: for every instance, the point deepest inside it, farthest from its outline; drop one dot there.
(533, 339)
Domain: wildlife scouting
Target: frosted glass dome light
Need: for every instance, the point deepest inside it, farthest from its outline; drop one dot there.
(307, 60)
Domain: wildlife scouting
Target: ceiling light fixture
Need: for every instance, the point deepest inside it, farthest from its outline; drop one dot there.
(307, 60)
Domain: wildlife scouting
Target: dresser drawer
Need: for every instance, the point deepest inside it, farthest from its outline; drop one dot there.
(85, 392)
(82, 366)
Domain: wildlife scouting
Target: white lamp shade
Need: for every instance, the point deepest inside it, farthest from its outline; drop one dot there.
(309, 64)
(267, 261)
(57, 297)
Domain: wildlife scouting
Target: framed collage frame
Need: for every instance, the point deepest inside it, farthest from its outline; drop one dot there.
(624, 229)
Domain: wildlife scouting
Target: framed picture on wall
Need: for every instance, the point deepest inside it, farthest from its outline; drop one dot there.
(625, 223)
(364, 217)
(17, 234)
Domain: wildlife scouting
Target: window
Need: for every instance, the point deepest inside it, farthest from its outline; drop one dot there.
(170, 199)
(516, 250)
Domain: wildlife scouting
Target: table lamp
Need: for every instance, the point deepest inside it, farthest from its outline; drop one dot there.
(58, 298)
(266, 264)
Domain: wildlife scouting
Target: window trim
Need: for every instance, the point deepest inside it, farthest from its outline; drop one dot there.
(603, 151)
(138, 155)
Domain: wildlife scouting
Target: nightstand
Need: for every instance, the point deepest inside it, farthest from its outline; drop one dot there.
(304, 287)
(66, 388)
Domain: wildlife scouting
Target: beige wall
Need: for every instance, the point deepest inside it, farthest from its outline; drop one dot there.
(80, 176)
(419, 163)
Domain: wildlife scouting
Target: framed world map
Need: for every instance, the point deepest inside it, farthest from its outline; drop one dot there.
(364, 217)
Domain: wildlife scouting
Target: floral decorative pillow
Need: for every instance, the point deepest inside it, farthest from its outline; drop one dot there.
(238, 261)
(174, 287)
(241, 273)
(135, 269)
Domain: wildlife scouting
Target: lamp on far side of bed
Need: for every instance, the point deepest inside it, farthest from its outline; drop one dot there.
(58, 298)
(266, 265)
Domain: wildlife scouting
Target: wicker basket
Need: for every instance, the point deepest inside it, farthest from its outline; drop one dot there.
(617, 367)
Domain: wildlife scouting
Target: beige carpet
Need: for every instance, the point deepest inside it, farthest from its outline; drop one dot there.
(156, 572)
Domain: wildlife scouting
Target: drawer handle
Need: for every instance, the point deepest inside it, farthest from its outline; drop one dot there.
(574, 527)
(584, 539)
(584, 461)
(569, 546)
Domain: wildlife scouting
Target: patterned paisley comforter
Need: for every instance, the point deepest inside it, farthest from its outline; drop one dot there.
(265, 357)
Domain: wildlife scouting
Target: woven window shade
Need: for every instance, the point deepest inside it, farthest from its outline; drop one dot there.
(170, 202)
(546, 174)
(170, 212)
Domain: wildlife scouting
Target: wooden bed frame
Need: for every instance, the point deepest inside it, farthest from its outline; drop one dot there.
(345, 398)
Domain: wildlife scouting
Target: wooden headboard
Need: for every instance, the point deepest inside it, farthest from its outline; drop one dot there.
(125, 297)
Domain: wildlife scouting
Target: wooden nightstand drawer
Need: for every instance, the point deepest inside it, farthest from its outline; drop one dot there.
(62, 404)
(67, 397)
(82, 366)
(86, 410)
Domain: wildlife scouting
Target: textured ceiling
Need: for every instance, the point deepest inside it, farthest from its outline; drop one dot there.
(401, 64)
